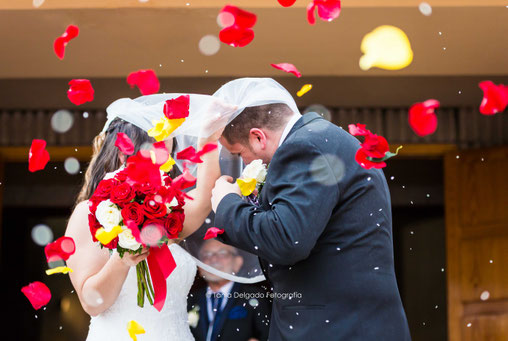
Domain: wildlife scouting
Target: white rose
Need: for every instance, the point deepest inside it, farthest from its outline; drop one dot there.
(127, 240)
(255, 170)
(108, 215)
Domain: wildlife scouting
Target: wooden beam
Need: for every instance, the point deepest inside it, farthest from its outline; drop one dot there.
(56, 153)
(112, 4)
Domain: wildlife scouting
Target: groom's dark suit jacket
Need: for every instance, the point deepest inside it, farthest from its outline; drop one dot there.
(324, 230)
(239, 321)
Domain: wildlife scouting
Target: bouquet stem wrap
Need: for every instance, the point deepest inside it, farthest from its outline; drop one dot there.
(161, 264)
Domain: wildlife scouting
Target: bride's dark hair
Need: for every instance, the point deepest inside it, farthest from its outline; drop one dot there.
(105, 154)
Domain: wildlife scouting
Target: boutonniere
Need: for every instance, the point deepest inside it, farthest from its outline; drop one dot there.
(252, 180)
(193, 317)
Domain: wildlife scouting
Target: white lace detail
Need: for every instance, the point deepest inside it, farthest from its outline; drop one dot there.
(170, 324)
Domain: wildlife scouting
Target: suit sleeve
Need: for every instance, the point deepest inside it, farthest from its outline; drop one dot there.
(302, 191)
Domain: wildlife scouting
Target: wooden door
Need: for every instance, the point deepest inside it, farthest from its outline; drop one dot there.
(476, 199)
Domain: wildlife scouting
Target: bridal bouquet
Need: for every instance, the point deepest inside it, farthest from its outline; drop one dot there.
(140, 206)
(252, 180)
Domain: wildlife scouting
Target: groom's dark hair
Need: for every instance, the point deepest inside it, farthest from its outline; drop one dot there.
(269, 116)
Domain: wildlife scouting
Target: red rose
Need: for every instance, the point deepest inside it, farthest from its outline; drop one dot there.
(152, 232)
(174, 224)
(93, 202)
(133, 212)
(121, 176)
(375, 146)
(94, 225)
(122, 194)
(105, 187)
(145, 188)
(154, 209)
(361, 158)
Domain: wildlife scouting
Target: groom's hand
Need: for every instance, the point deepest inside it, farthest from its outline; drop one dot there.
(223, 186)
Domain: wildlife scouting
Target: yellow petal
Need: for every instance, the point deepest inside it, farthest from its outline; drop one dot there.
(159, 131)
(387, 47)
(134, 328)
(174, 123)
(60, 269)
(247, 186)
(106, 237)
(168, 165)
(306, 88)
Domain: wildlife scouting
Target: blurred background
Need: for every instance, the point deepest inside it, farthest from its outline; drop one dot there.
(449, 189)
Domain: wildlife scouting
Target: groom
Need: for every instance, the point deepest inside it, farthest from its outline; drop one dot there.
(323, 229)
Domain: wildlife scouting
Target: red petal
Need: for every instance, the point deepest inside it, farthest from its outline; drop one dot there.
(358, 130)
(243, 19)
(70, 33)
(495, 98)
(80, 91)
(183, 181)
(161, 153)
(422, 117)
(213, 232)
(287, 67)
(124, 143)
(38, 157)
(236, 37)
(375, 146)
(60, 249)
(311, 18)
(361, 158)
(140, 169)
(177, 108)
(190, 154)
(37, 293)
(328, 9)
(287, 3)
(145, 80)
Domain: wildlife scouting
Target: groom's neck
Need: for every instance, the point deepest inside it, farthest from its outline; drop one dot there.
(215, 286)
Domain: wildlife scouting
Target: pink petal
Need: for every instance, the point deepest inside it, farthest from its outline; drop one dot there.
(37, 293)
(243, 19)
(328, 9)
(213, 232)
(422, 117)
(145, 80)
(495, 98)
(287, 67)
(124, 143)
(38, 156)
(311, 18)
(358, 130)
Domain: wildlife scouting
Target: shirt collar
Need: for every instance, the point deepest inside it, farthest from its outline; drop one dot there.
(289, 125)
(225, 289)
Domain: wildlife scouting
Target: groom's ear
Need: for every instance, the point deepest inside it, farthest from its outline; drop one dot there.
(257, 139)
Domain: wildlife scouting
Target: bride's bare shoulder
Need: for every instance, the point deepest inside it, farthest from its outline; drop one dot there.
(79, 217)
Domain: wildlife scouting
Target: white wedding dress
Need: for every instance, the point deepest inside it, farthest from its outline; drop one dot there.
(170, 324)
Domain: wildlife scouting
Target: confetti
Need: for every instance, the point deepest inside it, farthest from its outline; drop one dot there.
(37, 293)
(61, 42)
(146, 81)
(422, 118)
(38, 156)
(124, 143)
(306, 88)
(495, 98)
(80, 91)
(134, 328)
(237, 32)
(327, 10)
(287, 67)
(213, 232)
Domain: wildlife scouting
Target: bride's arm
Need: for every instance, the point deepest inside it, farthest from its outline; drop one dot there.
(208, 172)
(97, 277)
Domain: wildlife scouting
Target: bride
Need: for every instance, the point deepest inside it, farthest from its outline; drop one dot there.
(106, 284)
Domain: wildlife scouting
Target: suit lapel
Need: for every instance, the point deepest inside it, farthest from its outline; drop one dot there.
(224, 314)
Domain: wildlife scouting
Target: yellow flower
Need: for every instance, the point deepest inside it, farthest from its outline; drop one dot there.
(106, 237)
(247, 186)
(60, 269)
(134, 328)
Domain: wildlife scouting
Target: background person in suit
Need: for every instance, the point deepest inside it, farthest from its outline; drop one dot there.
(225, 310)
(323, 227)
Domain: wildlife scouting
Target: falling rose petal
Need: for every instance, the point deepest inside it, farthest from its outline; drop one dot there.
(386, 47)
(145, 80)
(239, 33)
(495, 98)
(247, 186)
(286, 3)
(38, 156)
(236, 37)
(213, 232)
(80, 91)
(60, 249)
(141, 169)
(37, 293)
(358, 130)
(328, 10)
(306, 88)
(422, 118)
(134, 328)
(287, 67)
(190, 153)
(59, 270)
(124, 143)
(361, 158)
(159, 153)
(177, 108)
(61, 42)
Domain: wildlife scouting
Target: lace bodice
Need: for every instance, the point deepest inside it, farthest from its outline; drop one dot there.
(170, 324)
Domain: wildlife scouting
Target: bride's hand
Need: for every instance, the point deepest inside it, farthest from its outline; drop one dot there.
(133, 260)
